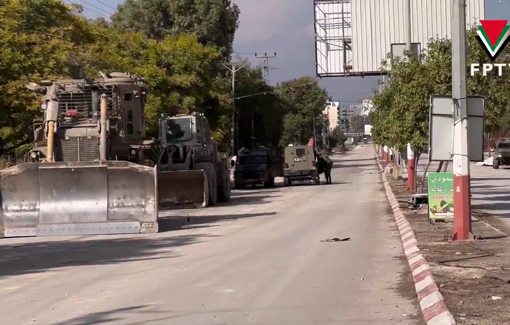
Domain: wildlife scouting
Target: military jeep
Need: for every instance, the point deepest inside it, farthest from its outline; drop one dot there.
(501, 154)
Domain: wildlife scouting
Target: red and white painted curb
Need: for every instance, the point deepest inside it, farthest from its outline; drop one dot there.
(431, 301)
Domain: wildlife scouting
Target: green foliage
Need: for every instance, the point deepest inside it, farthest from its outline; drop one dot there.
(214, 22)
(303, 100)
(357, 123)
(177, 46)
(402, 109)
(337, 138)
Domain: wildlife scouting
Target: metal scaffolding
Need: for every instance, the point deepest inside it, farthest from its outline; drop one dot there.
(333, 37)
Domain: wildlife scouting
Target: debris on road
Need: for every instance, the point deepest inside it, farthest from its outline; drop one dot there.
(336, 239)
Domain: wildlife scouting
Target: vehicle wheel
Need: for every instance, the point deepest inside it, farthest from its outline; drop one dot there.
(239, 186)
(210, 171)
(269, 183)
(495, 164)
(287, 181)
(223, 183)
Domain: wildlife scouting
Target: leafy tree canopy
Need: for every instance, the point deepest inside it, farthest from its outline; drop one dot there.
(402, 109)
(214, 22)
(304, 102)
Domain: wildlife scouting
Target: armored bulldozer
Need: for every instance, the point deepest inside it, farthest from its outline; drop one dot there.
(87, 172)
(190, 172)
(257, 166)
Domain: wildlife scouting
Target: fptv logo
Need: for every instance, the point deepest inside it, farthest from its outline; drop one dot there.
(493, 36)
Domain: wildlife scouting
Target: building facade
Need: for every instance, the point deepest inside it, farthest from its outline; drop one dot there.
(341, 116)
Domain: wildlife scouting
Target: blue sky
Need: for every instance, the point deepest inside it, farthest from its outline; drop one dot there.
(286, 27)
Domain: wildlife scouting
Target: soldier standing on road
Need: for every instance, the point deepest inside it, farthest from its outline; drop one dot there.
(328, 167)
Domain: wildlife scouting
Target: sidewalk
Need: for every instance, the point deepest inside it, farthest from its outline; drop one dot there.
(473, 277)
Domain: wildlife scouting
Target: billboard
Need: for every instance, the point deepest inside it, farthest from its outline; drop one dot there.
(441, 128)
(352, 37)
(333, 35)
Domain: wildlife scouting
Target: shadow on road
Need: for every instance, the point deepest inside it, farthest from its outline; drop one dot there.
(484, 179)
(178, 222)
(241, 199)
(357, 160)
(42, 256)
(116, 315)
(341, 164)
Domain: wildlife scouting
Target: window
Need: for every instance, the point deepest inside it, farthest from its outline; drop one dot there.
(179, 129)
(252, 160)
(130, 129)
(504, 145)
(128, 97)
(130, 115)
(300, 152)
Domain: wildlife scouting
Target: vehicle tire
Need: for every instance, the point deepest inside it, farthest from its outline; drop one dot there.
(223, 182)
(287, 181)
(495, 164)
(210, 172)
(239, 186)
(269, 183)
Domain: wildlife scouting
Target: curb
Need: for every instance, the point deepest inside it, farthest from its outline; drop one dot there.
(432, 305)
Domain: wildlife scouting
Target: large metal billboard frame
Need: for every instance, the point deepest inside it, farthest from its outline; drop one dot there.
(441, 128)
(352, 37)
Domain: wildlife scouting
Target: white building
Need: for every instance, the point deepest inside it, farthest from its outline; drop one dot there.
(341, 116)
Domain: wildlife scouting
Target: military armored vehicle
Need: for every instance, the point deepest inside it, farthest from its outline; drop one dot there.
(87, 172)
(257, 166)
(300, 165)
(501, 154)
(191, 174)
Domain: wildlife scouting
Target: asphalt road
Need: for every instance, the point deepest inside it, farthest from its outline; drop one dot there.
(257, 260)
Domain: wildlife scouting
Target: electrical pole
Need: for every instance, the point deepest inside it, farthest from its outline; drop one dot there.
(410, 152)
(233, 67)
(266, 67)
(461, 178)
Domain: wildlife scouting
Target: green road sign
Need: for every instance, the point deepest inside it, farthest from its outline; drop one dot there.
(440, 190)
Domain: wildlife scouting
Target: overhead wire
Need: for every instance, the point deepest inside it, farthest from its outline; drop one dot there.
(97, 10)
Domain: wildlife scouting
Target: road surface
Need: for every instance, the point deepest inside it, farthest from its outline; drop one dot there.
(258, 260)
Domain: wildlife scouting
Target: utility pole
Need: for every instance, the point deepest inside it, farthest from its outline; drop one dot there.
(410, 152)
(233, 67)
(461, 177)
(266, 67)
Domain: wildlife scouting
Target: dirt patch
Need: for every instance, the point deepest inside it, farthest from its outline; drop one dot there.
(464, 270)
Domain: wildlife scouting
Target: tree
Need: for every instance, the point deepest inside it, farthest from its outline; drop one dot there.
(214, 22)
(357, 123)
(38, 39)
(259, 111)
(304, 101)
(337, 138)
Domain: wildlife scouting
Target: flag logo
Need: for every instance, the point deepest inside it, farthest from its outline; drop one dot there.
(493, 35)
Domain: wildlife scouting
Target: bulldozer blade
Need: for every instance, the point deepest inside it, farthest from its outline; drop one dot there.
(82, 198)
(182, 189)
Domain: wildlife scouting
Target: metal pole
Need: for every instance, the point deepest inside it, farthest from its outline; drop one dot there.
(410, 152)
(103, 118)
(233, 128)
(461, 178)
(233, 68)
(314, 136)
(408, 26)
